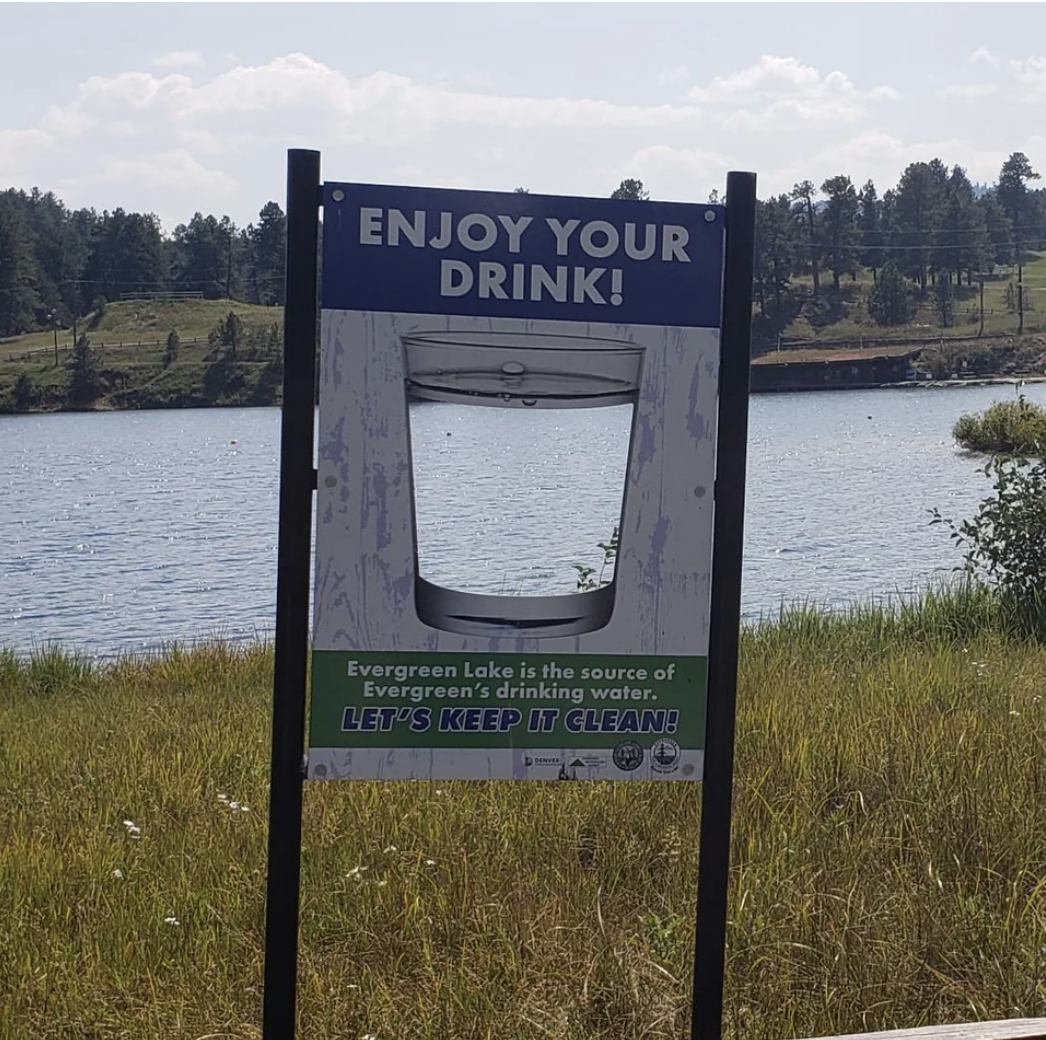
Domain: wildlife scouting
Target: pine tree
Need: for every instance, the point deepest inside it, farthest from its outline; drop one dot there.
(630, 188)
(803, 197)
(268, 241)
(962, 237)
(1013, 195)
(18, 296)
(839, 227)
(776, 260)
(916, 214)
(869, 224)
(890, 301)
(84, 382)
(944, 299)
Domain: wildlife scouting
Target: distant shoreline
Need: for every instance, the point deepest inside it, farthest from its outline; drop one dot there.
(912, 384)
(920, 384)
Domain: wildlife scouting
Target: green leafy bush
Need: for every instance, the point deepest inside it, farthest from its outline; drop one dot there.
(1004, 543)
(1009, 427)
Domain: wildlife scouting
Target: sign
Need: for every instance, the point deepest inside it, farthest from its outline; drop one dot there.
(513, 300)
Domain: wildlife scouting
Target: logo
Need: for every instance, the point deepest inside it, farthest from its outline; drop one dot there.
(664, 755)
(542, 760)
(588, 762)
(589, 765)
(628, 755)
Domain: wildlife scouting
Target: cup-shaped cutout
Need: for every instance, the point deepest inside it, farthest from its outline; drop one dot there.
(509, 500)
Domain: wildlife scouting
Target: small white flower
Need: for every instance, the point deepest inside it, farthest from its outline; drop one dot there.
(223, 798)
(171, 920)
(118, 873)
(369, 1036)
(430, 863)
(390, 848)
(1017, 713)
(245, 808)
(133, 830)
(234, 806)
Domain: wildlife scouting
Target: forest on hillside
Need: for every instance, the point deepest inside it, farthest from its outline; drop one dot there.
(58, 264)
(920, 241)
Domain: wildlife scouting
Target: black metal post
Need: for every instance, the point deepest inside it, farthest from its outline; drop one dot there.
(292, 596)
(706, 1021)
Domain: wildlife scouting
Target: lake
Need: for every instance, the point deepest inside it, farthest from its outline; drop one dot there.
(121, 531)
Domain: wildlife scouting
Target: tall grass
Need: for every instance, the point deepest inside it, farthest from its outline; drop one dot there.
(889, 867)
(1008, 427)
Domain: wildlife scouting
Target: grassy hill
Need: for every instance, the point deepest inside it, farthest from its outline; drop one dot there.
(843, 314)
(129, 340)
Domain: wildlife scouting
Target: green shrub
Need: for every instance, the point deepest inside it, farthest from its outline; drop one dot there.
(1004, 541)
(228, 333)
(1010, 427)
(84, 378)
(170, 351)
(25, 392)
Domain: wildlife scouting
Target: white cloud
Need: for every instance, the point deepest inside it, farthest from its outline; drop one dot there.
(178, 59)
(386, 103)
(985, 56)
(296, 94)
(1032, 73)
(780, 91)
(883, 157)
(674, 173)
(967, 91)
(18, 150)
(176, 168)
(175, 141)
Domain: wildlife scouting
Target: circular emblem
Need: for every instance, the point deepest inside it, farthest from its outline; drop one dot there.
(664, 755)
(628, 755)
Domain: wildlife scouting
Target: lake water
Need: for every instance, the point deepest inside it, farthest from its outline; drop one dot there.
(122, 531)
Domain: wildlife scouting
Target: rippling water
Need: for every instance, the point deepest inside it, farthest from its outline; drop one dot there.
(120, 531)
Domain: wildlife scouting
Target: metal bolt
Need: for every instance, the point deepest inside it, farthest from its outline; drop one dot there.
(338, 195)
(709, 215)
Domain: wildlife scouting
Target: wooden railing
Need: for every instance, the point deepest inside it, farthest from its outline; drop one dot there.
(1004, 1029)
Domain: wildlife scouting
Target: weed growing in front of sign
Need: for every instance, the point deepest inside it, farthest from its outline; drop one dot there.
(588, 578)
(887, 865)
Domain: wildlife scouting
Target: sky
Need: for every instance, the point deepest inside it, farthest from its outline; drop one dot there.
(178, 108)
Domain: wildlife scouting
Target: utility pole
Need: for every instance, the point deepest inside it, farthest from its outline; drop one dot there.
(980, 331)
(1020, 292)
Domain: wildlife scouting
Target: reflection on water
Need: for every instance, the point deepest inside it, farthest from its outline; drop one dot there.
(120, 531)
(508, 501)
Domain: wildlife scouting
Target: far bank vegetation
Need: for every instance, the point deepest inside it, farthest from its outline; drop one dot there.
(1006, 428)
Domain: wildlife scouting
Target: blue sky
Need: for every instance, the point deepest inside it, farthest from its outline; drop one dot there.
(174, 108)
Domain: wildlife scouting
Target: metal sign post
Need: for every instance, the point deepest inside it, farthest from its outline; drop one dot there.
(706, 1020)
(509, 301)
(297, 482)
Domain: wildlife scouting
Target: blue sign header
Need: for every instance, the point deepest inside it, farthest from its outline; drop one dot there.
(516, 255)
